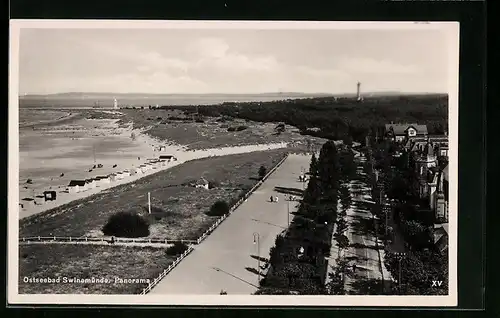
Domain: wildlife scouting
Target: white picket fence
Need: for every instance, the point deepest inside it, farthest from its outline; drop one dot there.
(166, 271)
(68, 239)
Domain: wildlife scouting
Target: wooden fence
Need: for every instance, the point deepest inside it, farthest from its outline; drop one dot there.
(65, 239)
(166, 271)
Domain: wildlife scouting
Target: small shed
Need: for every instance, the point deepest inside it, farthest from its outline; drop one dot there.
(50, 195)
(76, 186)
(167, 158)
(202, 183)
(102, 180)
(27, 202)
(126, 173)
(90, 184)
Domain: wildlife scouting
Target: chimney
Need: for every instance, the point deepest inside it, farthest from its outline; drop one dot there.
(358, 92)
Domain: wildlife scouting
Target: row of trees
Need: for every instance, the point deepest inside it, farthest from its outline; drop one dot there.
(297, 261)
(341, 268)
(337, 118)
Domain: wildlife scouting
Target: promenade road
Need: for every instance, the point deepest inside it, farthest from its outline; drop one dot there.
(228, 258)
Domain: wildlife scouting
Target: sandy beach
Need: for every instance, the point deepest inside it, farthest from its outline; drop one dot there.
(53, 156)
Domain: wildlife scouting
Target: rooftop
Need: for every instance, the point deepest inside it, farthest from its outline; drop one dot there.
(400, 129)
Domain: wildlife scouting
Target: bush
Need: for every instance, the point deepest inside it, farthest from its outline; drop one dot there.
(240, 128)
(262, 172)
(219, 208)
(231, 129)
(213, 184)
(126, 224)
(176, 249)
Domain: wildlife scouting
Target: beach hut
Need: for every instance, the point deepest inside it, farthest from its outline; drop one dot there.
(167, 157)
(28, 202)
(76, 186)
(50, 195)
(112, 177)
(103, 180)
(90, 184)
(126, 173)
(162, 148)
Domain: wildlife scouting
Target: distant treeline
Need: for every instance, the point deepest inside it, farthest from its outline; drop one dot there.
(336, 118)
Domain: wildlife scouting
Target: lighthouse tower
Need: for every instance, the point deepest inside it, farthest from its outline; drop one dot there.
(115, 104)
(358, 92)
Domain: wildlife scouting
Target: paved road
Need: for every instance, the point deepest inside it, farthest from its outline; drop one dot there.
(363, 250)
(227, 259)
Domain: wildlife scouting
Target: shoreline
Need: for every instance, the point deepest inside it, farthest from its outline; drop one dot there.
(182, 157)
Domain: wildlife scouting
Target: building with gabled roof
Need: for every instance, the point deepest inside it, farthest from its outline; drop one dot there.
(400, 132)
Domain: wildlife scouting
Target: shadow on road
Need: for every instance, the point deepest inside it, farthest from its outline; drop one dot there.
(234, 276)
(264, 222)
(292, 191)
(262, 259)
(362, 246)
(367, 287)
(253, 270)
(362, 226)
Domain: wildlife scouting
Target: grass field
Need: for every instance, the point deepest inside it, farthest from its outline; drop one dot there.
(178, 208)
(89, 261)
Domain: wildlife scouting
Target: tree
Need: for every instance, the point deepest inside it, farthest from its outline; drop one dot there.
(342, 242)
(313, 168)
(262, 172)
(126, 224)
(177, 248)
(219, 208)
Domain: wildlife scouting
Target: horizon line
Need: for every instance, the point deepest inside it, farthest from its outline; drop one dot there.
(247, 93)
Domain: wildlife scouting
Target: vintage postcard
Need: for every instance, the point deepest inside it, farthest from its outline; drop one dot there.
(233, 163)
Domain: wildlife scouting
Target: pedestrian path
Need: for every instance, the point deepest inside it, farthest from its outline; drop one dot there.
(231, 258)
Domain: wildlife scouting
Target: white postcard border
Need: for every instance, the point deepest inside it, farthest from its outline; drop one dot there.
(14, 298)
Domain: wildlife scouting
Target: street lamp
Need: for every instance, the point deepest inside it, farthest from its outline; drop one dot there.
(256, 240)
(288, 212)
(400, 256)
(375, 221)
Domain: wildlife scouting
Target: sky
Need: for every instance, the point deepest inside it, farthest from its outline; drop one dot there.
(169, 61)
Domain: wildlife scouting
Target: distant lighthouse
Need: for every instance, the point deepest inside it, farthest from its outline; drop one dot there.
(358, 92)
(115, 104)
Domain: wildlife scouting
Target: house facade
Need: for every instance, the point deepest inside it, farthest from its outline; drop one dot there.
(401, 132)
(432, 180)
